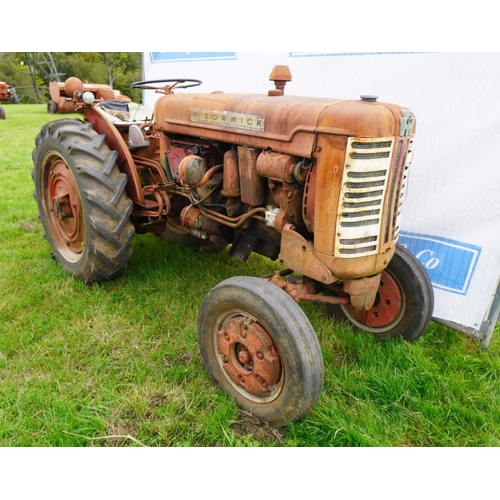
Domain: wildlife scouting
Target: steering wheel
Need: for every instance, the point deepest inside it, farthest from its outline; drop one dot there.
(179, 83)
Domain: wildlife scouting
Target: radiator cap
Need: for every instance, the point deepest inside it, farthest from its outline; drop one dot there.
(369, 98)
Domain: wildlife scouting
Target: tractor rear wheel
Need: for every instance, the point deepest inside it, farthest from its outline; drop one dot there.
(404, 304)
(52, 108)
(82, 201)
(259, 347)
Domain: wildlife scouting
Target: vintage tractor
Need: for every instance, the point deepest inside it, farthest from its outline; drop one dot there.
(8, 93)
(61, 97)
(315, 184)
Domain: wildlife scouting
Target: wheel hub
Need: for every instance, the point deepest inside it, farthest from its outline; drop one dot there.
(387, 308)
(249, 356)
(62, 207)
(65, 206)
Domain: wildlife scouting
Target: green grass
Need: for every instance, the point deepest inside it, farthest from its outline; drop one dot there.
(117, 364)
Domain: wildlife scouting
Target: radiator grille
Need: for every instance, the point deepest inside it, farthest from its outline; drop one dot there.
(364, 185)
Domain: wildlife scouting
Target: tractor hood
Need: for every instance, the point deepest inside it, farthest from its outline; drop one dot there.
(285, 123)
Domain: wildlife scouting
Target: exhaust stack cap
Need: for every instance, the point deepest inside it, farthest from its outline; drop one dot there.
(279, 75)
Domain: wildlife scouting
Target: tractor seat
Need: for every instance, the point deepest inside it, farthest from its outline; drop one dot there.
(124, 112)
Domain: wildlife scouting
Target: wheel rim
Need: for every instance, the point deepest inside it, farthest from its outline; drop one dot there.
(387, 311)
(63, 208)
(248, 356)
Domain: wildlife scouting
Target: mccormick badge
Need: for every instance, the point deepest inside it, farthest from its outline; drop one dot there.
(228, 119)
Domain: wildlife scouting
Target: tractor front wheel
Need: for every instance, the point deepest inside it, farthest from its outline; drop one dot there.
(259, 347)
(81, 200)
(404, 304)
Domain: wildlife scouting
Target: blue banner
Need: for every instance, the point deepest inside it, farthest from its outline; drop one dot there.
(450, 264)
(162, 57)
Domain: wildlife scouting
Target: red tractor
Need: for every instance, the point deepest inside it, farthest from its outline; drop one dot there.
(314, 184)
(61, 98)
(8, 93)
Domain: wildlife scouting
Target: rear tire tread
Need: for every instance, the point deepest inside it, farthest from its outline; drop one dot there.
(101, 188)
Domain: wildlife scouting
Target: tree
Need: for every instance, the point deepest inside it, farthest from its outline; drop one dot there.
(118, 62)
(122, 69)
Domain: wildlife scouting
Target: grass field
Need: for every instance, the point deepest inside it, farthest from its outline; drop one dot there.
(117, 364)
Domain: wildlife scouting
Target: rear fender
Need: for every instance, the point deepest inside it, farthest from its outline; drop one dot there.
(125, 161)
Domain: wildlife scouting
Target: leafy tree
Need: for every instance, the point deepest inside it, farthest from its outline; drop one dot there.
(117, 62)
(122, 69)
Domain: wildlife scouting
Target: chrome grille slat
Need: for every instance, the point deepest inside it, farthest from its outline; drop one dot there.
(361, 175)
(359, 185)
(370, 156)
(362, 204)
(359, 223)
(371, 145)
(369, 239)
(359, 195)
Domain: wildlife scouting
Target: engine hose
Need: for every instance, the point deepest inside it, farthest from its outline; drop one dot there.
(233, 222)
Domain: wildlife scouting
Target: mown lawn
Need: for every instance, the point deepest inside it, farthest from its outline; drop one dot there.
(117, 364)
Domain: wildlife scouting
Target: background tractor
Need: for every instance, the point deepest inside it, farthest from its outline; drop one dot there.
(61, 98)
(314, 184)
(8, 93)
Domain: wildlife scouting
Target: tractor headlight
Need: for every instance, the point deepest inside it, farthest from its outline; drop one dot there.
(88, 97)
